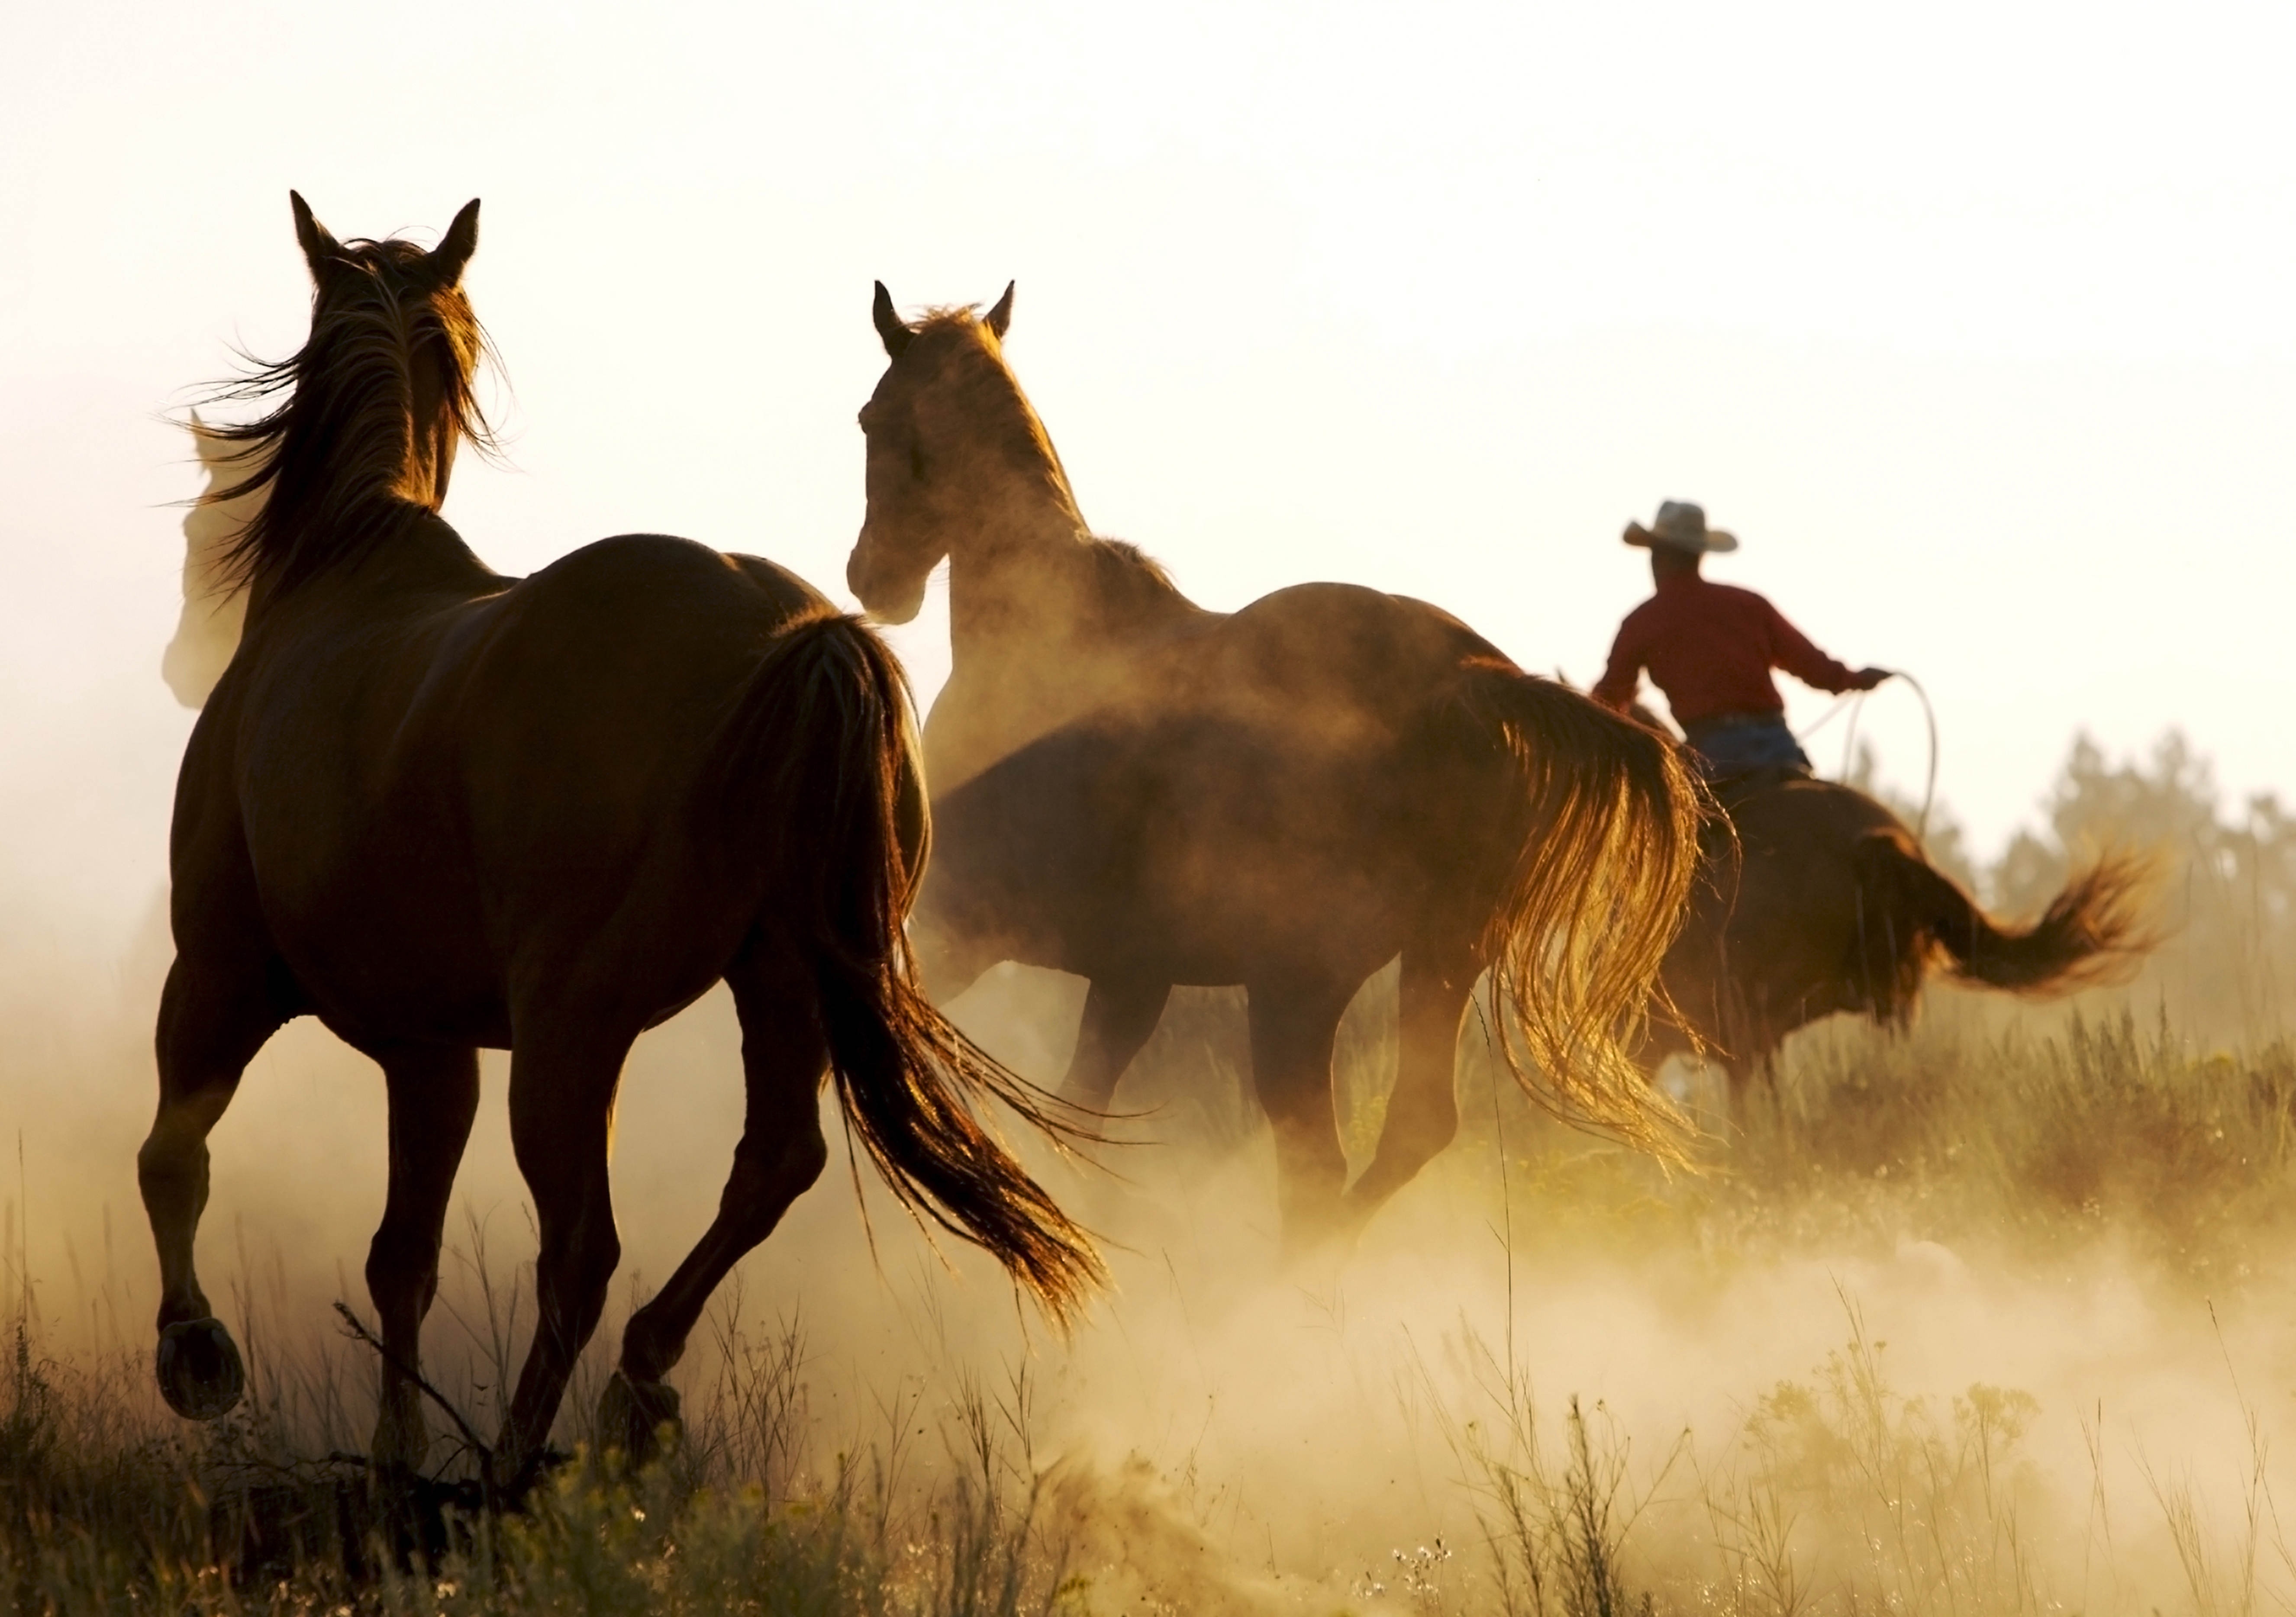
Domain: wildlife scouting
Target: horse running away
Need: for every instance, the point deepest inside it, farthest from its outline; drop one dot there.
(443, 809)
(1146, 793)
(1826, 904)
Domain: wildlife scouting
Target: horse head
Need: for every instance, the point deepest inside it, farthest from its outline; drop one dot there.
(215, 607)
(375, 404)
(957, 458)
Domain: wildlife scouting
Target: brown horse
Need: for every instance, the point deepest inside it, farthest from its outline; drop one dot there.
(1146, 793)
(443, 809)
(1825, 904)
(207, 630)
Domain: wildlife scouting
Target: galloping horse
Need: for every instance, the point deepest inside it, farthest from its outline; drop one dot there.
(1146, 793)
(1825, 904)
(441, 809)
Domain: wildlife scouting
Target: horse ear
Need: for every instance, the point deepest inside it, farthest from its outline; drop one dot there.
(1001, 316)
(319, 248)
(890, 329)
(452, 253)
(212, 448)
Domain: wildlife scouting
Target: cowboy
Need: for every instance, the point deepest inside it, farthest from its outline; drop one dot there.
(1710, 648)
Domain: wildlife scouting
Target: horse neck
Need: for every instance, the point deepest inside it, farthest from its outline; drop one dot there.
(423, 559)
(1033, 584)
(1046, 623)
(1017, 580)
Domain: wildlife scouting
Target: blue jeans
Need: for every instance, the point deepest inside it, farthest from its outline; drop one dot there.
(1736, 743)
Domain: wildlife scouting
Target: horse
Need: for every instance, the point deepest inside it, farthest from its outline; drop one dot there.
(1144, 792)
(208, 628)
(1823, 902)
(441, 809)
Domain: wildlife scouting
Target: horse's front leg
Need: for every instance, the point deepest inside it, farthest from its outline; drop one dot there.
(1121, 1014)
(1294, 1024)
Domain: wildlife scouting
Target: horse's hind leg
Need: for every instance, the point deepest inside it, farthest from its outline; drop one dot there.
(1423, 1111)
(781, 1153)
(1293, 1025)
(1121, 1013)
(434, 1094)
(213, 1018)
(564, 1069)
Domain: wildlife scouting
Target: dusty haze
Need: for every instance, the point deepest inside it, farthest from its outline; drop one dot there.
(1256, 1440)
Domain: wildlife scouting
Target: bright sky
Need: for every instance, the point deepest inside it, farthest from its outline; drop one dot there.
(1973, 321)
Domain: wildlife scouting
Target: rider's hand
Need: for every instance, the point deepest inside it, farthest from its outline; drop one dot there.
(1867, 678)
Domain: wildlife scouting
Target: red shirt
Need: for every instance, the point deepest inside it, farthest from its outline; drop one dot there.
(1710, 648)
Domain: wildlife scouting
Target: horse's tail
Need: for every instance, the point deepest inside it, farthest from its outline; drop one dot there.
(820, 759)
(1609, 818)
(2093, 931)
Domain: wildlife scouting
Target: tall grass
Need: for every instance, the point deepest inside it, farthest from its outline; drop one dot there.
(2128, 1125)
(106, 1508)
(1833, 1493)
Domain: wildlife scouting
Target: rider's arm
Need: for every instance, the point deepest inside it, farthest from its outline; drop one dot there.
(1792, 651)
(1615, 688)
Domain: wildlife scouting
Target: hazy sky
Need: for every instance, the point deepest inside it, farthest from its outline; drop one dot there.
(1974, 322)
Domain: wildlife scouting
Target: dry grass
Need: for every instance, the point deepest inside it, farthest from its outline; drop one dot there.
(1836, 1494)
(2160, 1137)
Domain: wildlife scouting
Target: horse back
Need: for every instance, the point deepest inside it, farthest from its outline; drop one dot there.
(1280, 784)
(1328, 647)
(439, 792)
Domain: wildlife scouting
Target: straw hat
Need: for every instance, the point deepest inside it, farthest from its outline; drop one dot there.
(1680, 525)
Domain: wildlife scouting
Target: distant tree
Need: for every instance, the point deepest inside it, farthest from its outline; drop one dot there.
(1943, 837)
(2227, 894)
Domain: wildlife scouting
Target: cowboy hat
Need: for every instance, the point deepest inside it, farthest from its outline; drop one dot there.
(1680, 525)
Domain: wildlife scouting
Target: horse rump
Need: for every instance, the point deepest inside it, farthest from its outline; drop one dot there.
(1604, 849)
(2093, 931)
(821, 788)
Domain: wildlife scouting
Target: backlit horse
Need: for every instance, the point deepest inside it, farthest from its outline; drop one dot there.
(1825, 904)
(1146, 793)
(443, 809)
(208, 629)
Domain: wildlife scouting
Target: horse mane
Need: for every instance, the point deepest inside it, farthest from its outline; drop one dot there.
(955, 342)
(1132, 580)
(330, 458)
(992, 394)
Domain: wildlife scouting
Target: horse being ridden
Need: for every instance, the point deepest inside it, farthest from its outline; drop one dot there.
(440, 809)
(1824, 903)
(1146, 793)
(1710, 647)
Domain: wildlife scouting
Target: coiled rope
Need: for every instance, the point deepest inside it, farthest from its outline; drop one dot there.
(1855, 702)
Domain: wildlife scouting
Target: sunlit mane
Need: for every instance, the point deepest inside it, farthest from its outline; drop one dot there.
(1128, 575)
(334, 458)
(955, 341)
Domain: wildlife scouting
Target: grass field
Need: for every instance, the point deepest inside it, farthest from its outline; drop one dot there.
(1989, 1318)
(2104, 1170)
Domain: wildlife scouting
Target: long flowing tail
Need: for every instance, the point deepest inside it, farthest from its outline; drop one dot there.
(2095, 931)
(1598, 889)
(824, 725)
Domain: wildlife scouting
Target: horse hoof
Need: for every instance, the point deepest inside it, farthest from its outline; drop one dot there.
(199, 1371)
(639, 1416)
(402, 1439)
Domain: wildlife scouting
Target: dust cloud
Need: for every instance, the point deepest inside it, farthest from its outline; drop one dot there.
(1231, 1435)
(1989, 1319)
